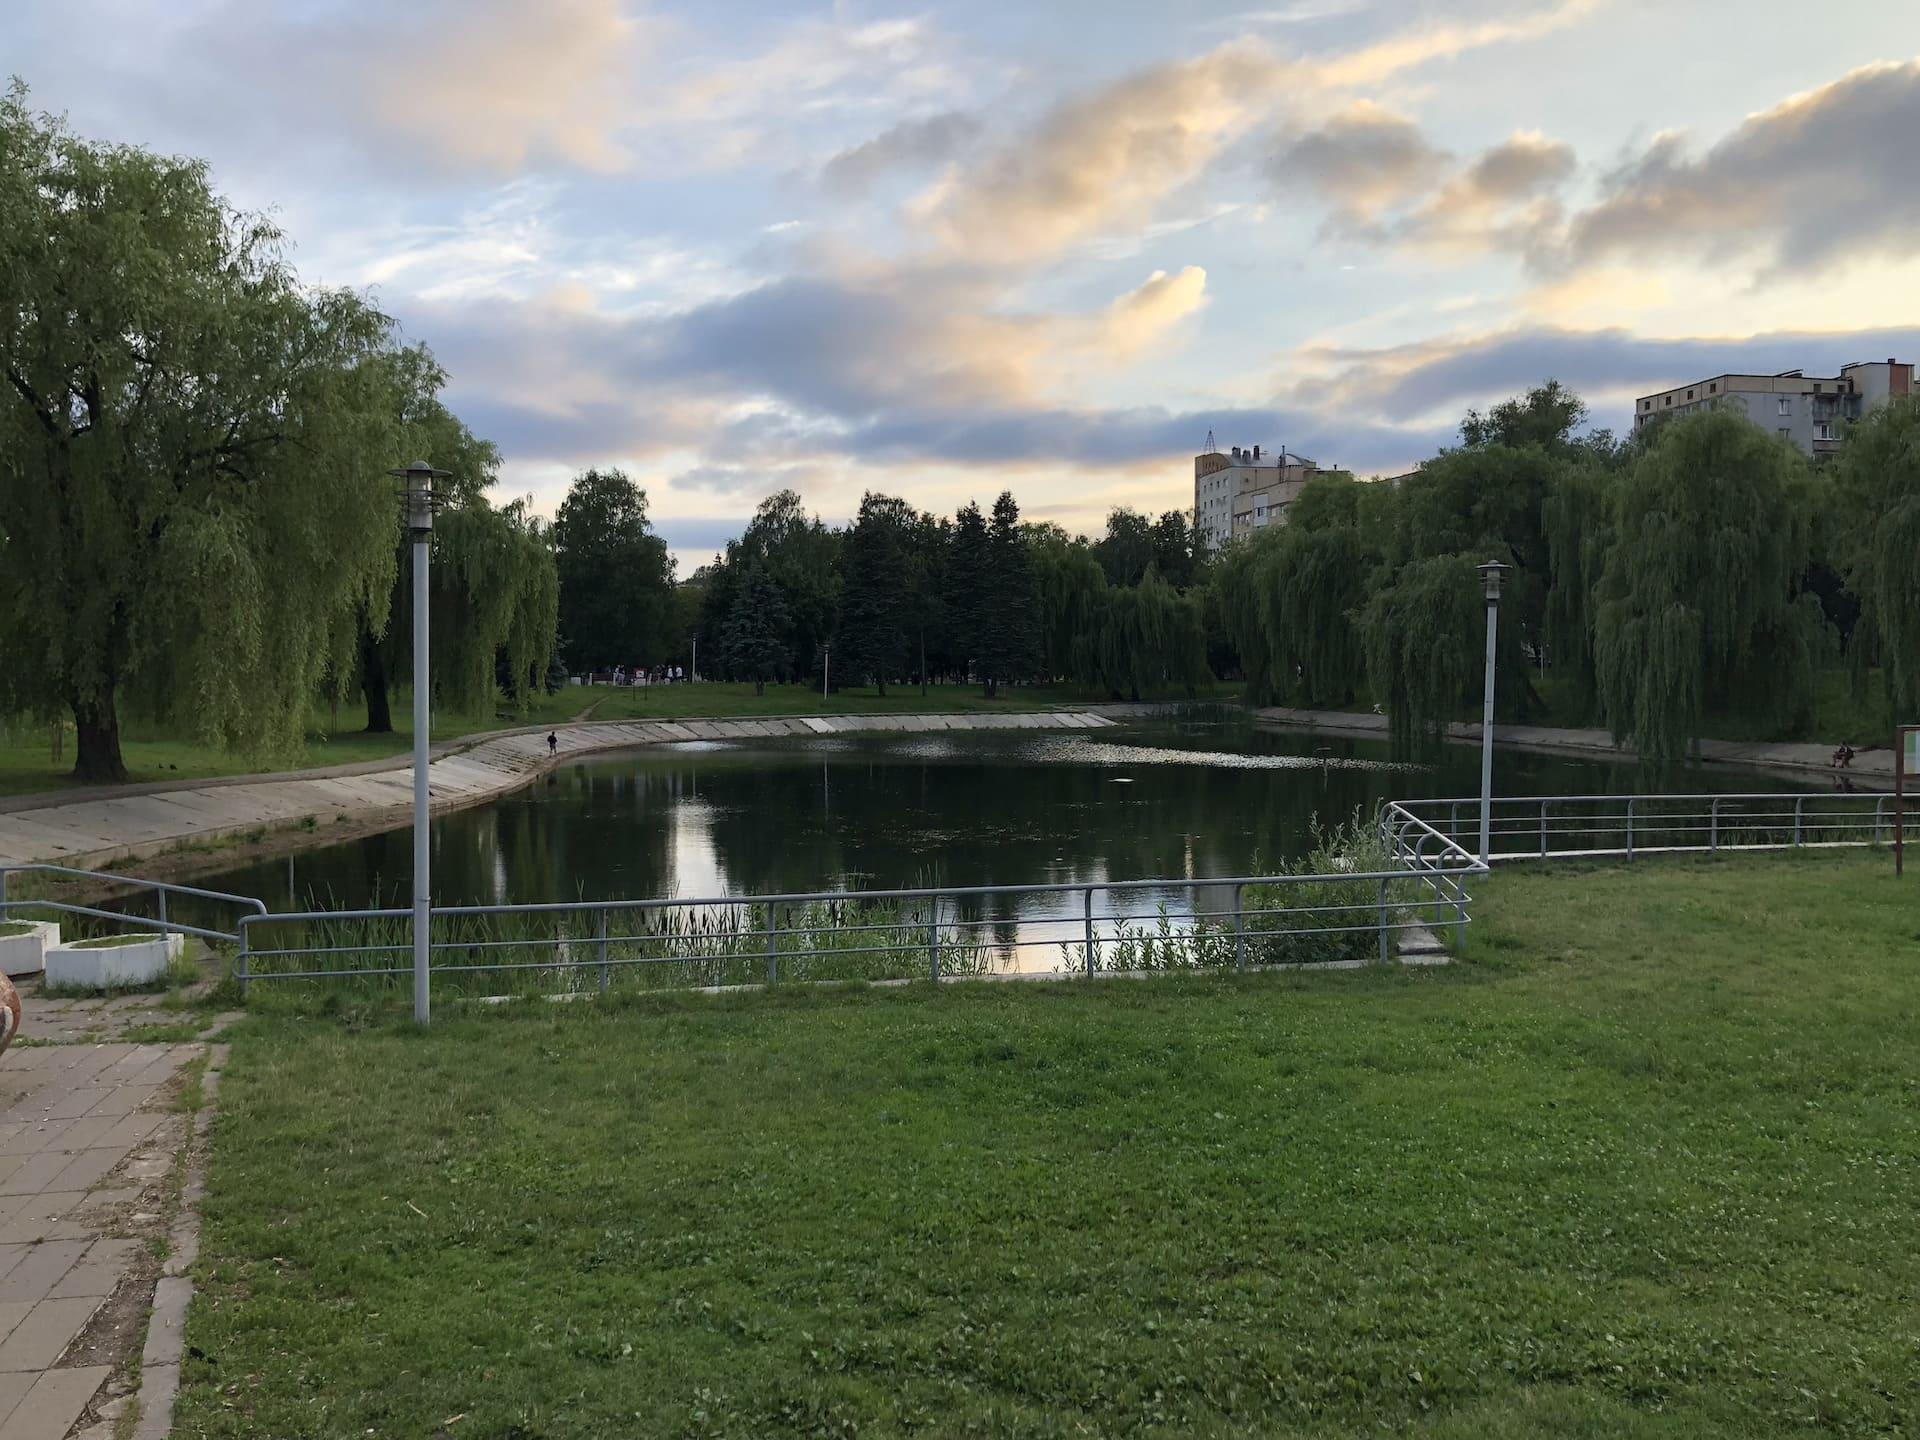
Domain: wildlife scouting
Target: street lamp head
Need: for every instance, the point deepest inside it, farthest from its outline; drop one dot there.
(422, 499)
(1493, 572)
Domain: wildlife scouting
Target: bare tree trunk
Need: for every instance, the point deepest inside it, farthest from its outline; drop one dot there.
(96, 750)
(373, 684)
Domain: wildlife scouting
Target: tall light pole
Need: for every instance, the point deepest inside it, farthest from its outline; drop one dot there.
(826, 669)
(421, 503)
(695, 666)
(1493, 572)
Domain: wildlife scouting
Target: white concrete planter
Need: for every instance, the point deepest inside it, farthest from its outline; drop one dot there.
(116, 960)
(24, 952)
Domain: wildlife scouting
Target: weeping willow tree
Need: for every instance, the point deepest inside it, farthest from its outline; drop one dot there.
(1073, 589)
(192, 452)
(1422, 634)
(1699, 602)
(1577, 518)
(1877, 545)
(1147, 638)
(495, 604)
(1236, 591)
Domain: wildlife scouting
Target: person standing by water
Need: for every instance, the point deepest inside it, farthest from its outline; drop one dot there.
(553, 742)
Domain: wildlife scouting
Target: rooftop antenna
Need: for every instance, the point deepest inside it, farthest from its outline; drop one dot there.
(1212, 449)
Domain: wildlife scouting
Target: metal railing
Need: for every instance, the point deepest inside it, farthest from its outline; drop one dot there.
(160, 890)
(1544, 827)
(1080, 927)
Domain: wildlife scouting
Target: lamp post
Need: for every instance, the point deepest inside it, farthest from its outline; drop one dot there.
(421, 503)
(1493, 572)
(694, 669)
(826, 669)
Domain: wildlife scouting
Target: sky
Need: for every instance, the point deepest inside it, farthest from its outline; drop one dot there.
(945, 249)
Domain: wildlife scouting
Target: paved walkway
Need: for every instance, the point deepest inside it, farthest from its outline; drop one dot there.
(88, 1143)
(1871, 769)
(88, 831)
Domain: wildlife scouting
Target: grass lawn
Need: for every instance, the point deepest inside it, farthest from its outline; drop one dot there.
(1645, 1166)
(27, 765)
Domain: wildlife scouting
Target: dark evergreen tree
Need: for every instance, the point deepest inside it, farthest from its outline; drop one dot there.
(874, 590)
(966, 589)
(754, 644)
(1008, 649)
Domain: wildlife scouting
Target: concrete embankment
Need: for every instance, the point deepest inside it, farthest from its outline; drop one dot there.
(1871, 769)
(89, 831)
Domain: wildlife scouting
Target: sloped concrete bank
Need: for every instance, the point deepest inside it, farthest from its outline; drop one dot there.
(90, 832)
(1872, 769)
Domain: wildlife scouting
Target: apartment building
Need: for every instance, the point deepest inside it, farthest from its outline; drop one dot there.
(1807, 410)
(1244, 491)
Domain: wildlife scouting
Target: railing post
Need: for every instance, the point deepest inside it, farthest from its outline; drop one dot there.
(246, 942)
(1629, 827)
(1543, 829)
(1453, 822)
(1713, 824)
(933, 937)
(1383, 922)
(1879, 832)
(1089, 930)
(773, 943)
(163, 908)
(1799, 801)
(4, 872)
(602, 947)
(1239, 927)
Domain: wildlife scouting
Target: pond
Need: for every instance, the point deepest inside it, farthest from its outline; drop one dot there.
(1207, 796)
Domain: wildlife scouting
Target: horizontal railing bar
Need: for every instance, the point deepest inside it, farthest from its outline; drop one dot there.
(167, 885)
(141, 922)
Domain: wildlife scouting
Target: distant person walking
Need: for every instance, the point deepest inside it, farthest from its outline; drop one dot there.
(553, 743)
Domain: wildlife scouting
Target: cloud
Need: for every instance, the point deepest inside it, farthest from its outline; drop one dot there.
(1364, 161)
(1103, 159)
(1834, 171)
(909, 146)
(1142, 316)
(1446, 376)
(1504, 200)
(459, 85)
(1422, 46)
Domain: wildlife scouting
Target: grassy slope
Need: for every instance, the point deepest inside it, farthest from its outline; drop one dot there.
(26, 763)
(1645, 1167)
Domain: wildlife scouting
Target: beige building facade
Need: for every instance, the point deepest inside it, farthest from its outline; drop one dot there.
(1244, 491)
(1805, 410)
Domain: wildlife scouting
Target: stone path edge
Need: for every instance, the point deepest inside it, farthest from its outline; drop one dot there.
(166, 1324)
(86, 831)
(1788, 757)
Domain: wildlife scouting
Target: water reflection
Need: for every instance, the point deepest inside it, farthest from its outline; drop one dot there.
(1180, 801)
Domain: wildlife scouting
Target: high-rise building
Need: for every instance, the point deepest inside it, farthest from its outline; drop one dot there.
(1807, 410)
(1240, 493)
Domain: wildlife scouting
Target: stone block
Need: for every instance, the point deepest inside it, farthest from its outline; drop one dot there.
(24, 945)
(139, 959)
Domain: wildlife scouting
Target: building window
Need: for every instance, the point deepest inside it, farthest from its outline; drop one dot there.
(1714, 388)
(1689, 394)
(1646, 404)
(1786, 405)
(1785, 433)
(1822, 431)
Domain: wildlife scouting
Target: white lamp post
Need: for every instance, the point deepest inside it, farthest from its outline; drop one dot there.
(826, 669)
(421, 503)
(1493, 572)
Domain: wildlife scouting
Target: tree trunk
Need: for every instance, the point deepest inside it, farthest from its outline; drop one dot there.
(373, 684)
(880, 686)
(923, 662)
(96, 750)
(759, 687)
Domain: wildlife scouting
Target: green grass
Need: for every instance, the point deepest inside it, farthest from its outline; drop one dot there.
(152, 754)
(11, 928)
(1644, 1167)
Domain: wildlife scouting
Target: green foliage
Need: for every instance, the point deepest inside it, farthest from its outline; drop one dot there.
(871, 643)
(615, 575)
(1007, 639)
(1699, 601)
(1146, 639)
(1877, 484)
(753, 645)
(1423, 639)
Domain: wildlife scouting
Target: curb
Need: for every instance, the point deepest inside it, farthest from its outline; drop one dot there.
(166, 1327)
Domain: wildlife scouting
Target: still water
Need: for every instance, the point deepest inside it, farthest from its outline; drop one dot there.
(1173, 799)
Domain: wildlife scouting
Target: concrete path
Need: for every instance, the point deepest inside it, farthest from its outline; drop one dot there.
(1871, 769)
(88, 1144)
(89, 831)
